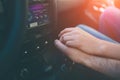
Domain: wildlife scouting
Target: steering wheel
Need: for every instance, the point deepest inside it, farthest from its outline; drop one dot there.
(11, 25)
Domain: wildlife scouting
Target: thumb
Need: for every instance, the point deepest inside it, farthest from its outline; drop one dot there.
(74, 54)
(60, 45)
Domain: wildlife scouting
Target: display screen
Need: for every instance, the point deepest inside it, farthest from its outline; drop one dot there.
(38, 15)
(37, 9)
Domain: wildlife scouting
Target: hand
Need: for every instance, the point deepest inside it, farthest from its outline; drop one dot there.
(110, 67)
(74, 54)
(77, 38)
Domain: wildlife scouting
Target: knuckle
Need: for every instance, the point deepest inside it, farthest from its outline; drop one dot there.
(68, 43)
(66, 29)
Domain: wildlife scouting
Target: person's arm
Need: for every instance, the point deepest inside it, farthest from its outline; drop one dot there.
(108, 49)
(82, 40)
(110, 67)
(68, 4)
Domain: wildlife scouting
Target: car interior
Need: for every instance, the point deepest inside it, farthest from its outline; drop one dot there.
(28, 29)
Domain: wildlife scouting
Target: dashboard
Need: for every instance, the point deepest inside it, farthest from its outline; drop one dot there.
(38, 36)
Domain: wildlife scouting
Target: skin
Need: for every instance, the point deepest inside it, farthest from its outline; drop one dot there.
(110, 67)
(86, 57)
(77, 38)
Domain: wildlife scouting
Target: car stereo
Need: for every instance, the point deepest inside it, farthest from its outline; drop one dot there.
(37, 14)
(40, 18)
(40, 22)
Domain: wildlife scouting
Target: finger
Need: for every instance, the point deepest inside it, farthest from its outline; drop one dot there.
(67, 50)
(65, 31)
(74, 54)
(61, 46)
(66, 34)
(68, 38)
(71, 44)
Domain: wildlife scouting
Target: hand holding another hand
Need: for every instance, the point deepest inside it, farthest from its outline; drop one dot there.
(77, 38)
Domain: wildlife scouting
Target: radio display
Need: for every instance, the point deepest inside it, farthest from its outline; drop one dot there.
(37, 9)
(37, 15)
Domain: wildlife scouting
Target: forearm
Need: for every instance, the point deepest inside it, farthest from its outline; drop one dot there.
(110, 50)
(68, 4)
(106, 66)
